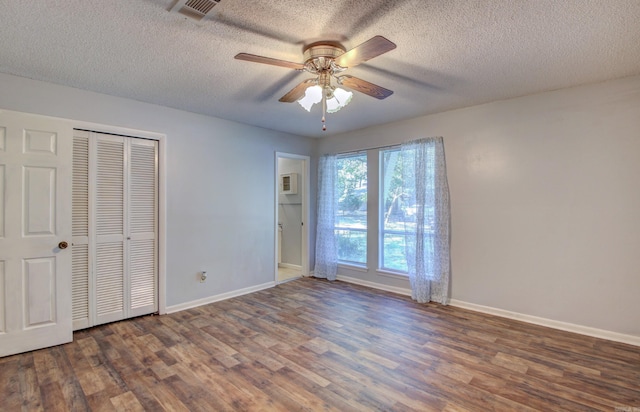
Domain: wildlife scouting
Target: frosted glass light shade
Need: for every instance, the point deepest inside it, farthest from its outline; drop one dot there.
(340, 99)
(312, 96)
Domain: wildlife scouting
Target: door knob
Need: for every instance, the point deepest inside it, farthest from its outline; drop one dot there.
(63, 245)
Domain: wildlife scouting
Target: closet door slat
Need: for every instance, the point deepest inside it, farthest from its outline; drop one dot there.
(110, 187)
(80, 231)
(143, 195)
(142, 210)
(110, 229)
(109, 282)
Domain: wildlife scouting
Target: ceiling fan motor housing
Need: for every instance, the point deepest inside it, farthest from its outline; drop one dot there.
(319, 57)
(323, 49)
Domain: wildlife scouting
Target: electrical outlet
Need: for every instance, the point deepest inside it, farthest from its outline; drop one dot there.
(203, 276)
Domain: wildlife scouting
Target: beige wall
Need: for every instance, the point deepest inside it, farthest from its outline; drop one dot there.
(545, 199)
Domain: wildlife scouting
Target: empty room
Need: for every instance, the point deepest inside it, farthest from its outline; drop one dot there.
(382, 205)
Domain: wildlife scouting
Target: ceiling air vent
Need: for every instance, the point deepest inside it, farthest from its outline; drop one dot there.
(195, 9)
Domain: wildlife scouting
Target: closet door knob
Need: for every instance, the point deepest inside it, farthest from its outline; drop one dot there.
(63, 245)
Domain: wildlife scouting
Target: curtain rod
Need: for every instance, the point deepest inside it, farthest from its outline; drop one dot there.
(380, 147)
(369, 148)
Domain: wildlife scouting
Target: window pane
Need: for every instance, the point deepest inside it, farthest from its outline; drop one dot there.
(396, 212)
(393, 255)
(352, 246)
(351, 221)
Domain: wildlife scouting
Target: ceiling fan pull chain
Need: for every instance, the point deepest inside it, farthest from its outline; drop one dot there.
(324, 110)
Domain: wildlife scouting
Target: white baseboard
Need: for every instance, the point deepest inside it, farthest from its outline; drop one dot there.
(374, 285)
(555, 324)
(565, 326)
(217, 298)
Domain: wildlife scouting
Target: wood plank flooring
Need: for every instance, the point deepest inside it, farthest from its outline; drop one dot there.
(314, 345)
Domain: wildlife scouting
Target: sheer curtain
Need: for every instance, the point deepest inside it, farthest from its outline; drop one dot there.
(326, 242)
(425, 186)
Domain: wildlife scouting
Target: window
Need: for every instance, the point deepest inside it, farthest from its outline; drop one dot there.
(351, 218)
(394, 213)
(410, 197)
(399, 208)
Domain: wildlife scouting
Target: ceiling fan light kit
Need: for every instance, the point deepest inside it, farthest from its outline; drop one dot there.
(326, 60)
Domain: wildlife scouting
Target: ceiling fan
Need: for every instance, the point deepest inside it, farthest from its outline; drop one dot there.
(327, 60)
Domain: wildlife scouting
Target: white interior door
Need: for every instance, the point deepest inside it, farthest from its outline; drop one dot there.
(35, 220)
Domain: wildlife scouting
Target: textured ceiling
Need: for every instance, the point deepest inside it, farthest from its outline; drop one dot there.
(449, 54)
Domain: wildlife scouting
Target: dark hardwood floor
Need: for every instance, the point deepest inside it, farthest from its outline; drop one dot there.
(312, 345)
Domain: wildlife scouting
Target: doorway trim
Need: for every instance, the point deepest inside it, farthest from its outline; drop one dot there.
(305, 180)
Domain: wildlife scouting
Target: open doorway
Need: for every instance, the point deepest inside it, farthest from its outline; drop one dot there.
(292, 199)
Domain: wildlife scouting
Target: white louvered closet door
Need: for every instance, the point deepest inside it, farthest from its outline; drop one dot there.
(121, 248)
(110, 209)
(142, 250)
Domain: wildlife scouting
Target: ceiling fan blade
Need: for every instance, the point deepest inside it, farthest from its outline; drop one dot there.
(373, 47)
(297, 92)
(268, 60)
(365, 87)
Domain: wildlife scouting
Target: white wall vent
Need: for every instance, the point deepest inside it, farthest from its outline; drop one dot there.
(195, 9)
